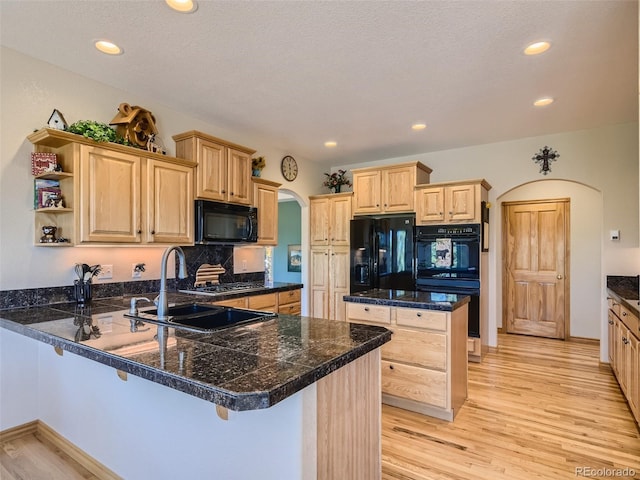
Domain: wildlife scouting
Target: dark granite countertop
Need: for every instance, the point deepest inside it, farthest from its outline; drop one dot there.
(625, 291)
(242, 368)
(405, 298)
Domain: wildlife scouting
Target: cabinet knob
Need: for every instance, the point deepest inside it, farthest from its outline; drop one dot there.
(366, 309)
(223, 191)
(440, 213)
(231, 194)
(377, 204)
(139, 231)
(624, 314)
(610, 322)
(450, 212)
(153, 232)
(390, 367)
(385, 205)
(418, 314)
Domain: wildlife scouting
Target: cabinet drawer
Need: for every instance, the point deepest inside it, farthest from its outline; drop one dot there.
(413, 317)
(234, 302)
(369, 313)
(290, 309)
(263, 302)
(420, 348)
(629, 319)
(292, 296)
(415, 383)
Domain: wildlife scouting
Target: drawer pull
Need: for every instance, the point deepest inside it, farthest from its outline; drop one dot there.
(610, 322)
(390, 367)
(418, 314)
(366, 309)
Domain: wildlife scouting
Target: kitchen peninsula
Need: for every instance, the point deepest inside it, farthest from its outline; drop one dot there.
(287, 398)
(424, 366)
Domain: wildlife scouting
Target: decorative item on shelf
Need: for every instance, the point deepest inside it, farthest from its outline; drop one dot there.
(335, 180)
(544, 158)
(156, 145)
(42, 162)
(82, 286)
(49, 234)
(46, 189)
(257, 164)
(57, 121)
(99, 132)
(54, 200)
(135, 124)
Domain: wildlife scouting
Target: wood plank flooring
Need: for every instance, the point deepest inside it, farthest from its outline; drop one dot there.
(537, 409)
(31, 457)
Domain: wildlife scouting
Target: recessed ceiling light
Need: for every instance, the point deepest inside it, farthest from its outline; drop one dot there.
(330, 144)
(543, 102)
(183, 6)
(418, 126)
(537, 48)
(109, 48)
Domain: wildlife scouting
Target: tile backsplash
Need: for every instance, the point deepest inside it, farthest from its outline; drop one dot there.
(195, 256)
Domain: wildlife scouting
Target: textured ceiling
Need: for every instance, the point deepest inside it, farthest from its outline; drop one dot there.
(357, 72)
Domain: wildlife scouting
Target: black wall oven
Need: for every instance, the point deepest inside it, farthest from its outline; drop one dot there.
(448, 261)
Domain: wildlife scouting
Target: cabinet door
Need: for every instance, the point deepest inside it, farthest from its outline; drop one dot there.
(367, 187)
(211, 177)
(415, 383)
(110, 196)
(169, 203)
(611, 339)
(621, 355)
(319, 221)
(266, 199)
(397, 189)
(319, 281)
(339, 282)
(460, 203)
(340, 216)
(239, 186)
(633, 388)
(430, 207)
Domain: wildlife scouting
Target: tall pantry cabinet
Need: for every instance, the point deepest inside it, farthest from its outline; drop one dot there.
(329, 237)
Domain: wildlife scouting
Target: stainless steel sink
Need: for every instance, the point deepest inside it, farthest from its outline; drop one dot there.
(203, 317)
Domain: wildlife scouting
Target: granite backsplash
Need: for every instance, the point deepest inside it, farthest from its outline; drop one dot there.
(195, 256)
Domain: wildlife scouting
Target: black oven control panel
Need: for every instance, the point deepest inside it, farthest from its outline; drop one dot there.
(448, 230)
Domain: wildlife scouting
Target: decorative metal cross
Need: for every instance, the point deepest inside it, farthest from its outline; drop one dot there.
(544, 159)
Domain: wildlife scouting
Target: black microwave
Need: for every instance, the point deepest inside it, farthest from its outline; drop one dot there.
(218, 222)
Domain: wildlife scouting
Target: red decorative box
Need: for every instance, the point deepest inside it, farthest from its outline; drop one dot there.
(43, 162)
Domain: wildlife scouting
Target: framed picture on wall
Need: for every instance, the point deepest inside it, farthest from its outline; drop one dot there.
(294, 258)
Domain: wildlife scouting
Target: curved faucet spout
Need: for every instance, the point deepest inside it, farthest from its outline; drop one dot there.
(163, 305)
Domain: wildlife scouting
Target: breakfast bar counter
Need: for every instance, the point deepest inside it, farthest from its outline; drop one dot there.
(284, 390)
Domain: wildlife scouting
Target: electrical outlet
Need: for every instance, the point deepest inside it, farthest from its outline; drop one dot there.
(135, 271)
(106, 272)
(244, 265)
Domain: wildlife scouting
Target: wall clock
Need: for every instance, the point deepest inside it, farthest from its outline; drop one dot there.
(289, 168)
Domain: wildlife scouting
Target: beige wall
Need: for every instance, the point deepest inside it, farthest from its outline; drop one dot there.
(30, 90)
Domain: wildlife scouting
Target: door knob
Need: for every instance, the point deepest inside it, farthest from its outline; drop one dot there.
(559, 277)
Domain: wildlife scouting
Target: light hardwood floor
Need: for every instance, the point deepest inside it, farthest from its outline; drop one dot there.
(537, 409)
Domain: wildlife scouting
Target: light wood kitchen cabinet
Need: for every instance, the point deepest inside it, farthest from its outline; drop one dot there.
(224, 168)
(387, 189)
(118, 194)
(265, 198)
(453, 202)
(289, 302)
(329, 218)
(267, 302)
(329, 282)
(624, 352)
(424, 366)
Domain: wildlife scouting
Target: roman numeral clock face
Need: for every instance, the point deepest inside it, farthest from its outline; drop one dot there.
(289, 168)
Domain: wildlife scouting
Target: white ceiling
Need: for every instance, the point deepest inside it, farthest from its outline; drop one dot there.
(298, 73)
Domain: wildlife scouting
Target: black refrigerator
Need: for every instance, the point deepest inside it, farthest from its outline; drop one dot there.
(382, 253)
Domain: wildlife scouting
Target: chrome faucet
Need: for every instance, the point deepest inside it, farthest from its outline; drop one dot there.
(161, 299)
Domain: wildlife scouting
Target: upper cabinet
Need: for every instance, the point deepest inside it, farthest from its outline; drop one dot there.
(451, 202)
(329, 217)
(224, 168)
(387, 189)
(265, 198)
(117, 194)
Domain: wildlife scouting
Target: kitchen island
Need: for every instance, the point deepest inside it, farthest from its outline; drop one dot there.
(424, 366)
(286, 398)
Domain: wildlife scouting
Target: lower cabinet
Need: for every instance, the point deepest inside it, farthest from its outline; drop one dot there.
(424, 366)
(278, 302)
(624, 352)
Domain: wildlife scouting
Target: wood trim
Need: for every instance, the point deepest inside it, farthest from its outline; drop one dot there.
(584, 340)
(45, 433)
(477, 181)
(211, 138)
(11, 434)
(419, 165)
(534, 202)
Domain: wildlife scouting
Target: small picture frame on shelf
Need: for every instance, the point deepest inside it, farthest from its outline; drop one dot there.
(43, 163)
(294, 258)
